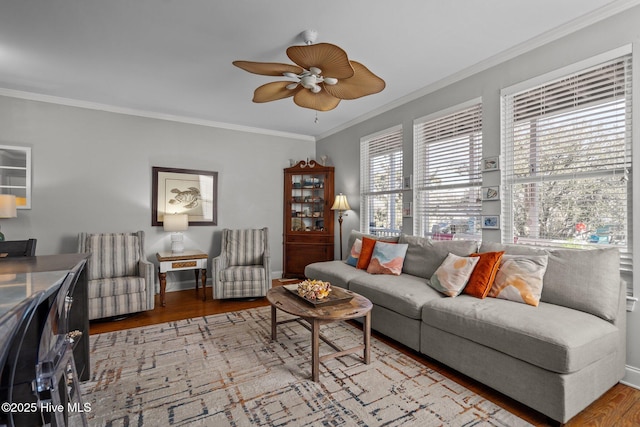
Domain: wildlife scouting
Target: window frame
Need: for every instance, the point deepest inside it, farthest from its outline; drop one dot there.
(394, 135)
(475, 178)
(577, 69)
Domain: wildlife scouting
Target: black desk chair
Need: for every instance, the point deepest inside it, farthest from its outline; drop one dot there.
(17, 248)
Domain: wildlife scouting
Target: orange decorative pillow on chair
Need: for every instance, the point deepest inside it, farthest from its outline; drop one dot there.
(483, 274)
(365, 253)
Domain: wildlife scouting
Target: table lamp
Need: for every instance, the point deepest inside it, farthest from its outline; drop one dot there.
(7, 208)
(340, 204)
(176, 224)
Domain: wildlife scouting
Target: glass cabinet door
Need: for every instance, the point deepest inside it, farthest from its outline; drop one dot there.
(307, 202)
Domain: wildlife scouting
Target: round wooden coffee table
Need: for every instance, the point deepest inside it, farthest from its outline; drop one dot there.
(359, 306)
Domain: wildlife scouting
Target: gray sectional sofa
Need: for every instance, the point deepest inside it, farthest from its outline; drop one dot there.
(556, 358)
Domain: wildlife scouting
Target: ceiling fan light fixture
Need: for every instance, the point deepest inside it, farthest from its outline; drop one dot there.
(309, 82)
(349, 79)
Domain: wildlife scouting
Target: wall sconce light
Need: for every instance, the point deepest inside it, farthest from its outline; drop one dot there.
(176, 224)
(340, 204)
(7, 208)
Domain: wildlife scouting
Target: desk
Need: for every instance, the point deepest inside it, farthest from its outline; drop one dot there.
(187, 260)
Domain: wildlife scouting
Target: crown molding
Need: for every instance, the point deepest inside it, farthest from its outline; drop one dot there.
(31, 96)
(577, 24)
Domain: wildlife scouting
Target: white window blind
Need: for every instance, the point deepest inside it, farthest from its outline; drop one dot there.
(447, 175)
(567, 146)
(381, 182)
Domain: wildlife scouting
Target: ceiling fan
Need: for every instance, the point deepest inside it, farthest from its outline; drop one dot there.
(322, 77)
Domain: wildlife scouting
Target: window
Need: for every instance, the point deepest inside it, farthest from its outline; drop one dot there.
(381, 182)
(567, 161)
(447, 175)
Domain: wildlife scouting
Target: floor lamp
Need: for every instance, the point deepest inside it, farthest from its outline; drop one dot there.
(340, 205)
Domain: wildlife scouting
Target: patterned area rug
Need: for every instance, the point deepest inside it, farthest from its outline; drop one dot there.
(225, 370)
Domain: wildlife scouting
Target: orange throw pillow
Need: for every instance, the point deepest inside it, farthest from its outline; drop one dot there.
(483, 274)
(365, 253)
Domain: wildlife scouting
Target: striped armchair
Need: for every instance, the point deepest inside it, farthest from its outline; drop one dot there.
(243, 268)
(119, 278)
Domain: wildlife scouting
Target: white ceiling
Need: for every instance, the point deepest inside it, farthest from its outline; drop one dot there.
(173, 57)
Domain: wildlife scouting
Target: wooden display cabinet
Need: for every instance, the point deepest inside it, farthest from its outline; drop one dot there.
(308, 219)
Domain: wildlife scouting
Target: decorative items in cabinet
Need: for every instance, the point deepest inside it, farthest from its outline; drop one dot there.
(308, 219)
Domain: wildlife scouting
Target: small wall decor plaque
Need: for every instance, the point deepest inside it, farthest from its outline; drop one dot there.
(491, 222)
(491, 193)
(491, 164)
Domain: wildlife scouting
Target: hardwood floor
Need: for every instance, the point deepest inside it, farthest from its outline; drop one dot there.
(620, 406)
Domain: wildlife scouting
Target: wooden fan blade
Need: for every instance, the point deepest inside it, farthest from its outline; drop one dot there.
(274, 91)
(321, 101)
(267, 68)
(363, 83)
(331, 59)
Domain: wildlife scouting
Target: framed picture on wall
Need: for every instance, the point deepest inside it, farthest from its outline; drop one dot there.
(491, 222)
(491, 164)
(491, 193)
(407, 209)
(184, 191)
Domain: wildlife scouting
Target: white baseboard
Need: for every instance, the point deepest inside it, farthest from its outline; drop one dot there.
(632, 377)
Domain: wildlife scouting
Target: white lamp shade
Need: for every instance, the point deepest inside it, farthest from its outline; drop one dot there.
(8, 206)
(341, 203)
(176, 222)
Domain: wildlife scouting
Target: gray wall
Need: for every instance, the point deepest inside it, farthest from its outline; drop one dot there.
(92, 172)
(598, 38)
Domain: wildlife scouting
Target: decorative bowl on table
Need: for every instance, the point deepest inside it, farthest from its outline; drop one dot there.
(314, 289)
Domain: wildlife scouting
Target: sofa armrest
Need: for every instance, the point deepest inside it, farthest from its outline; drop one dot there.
(218, 264)
(621, 323)
(145, 270)
(266, 262)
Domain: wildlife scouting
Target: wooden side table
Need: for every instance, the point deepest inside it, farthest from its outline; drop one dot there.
(187, 260)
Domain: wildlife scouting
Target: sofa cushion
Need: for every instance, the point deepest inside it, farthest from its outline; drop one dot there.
(387, 258)
(402, 294)
(100, 288)
(353, 235)
(113, 255)
(243, 273)
(519, 278)
(366, 252)
(245, 247)
(587, 280)
(550, 336)
(584, 279)
(453, 274)
(512, 249)
(338, 273)
(424, 256)
(354, 253)
(483, 274)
